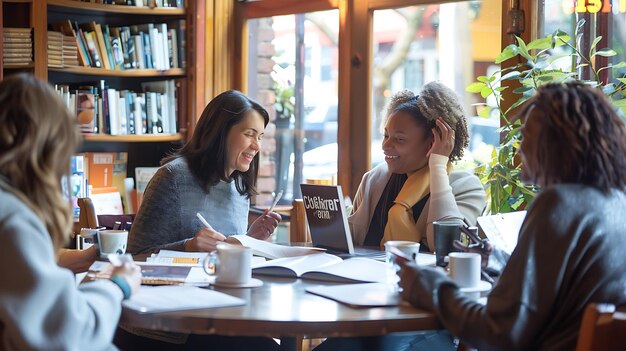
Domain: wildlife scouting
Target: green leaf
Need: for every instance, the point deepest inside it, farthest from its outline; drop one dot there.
(620, 103)
(481, 79)
(619, 65)
(484, 113)
(508, 52)
(595, 42)
(523, 50)
(606, 52)
(561, 40)
(510, 75)
(623, 80)
(541, 43)
(475, 87)
(485, 92)
(523, 89)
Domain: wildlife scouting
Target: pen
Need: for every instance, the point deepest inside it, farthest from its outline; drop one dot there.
(279, 194)
(203, 221)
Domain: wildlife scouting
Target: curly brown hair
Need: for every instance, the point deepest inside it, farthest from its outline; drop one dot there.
(434, 101)
(582, 139)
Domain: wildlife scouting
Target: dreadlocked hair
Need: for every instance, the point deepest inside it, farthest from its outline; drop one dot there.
(583, 134)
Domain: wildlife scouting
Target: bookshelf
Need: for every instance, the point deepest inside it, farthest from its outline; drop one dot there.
(123, 80)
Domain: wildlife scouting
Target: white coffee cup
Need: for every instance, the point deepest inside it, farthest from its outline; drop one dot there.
(112, 242)
(465, 269)
(409, 248)
(230, 264)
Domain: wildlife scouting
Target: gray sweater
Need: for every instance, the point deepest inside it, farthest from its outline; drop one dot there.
(40, 305)
(167, 216)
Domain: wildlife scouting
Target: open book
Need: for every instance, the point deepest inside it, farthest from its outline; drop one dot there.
(502, 229)
(270, 250)
(325, 267)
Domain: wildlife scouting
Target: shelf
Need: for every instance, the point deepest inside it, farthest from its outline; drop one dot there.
(172, 72)
(81, 7)
(134, 138)
(13, 66)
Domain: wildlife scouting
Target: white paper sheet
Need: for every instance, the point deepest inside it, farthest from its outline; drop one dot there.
(152, 299)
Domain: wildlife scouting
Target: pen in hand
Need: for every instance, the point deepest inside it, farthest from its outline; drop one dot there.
(277, 197)
(203, 221)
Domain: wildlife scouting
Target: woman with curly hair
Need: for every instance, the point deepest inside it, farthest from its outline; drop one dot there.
(571, 245)
(399, 199)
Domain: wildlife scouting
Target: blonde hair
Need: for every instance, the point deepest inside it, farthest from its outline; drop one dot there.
(37, 138)
(434, 101)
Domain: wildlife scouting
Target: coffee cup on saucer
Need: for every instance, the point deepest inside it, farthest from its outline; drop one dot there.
(230, 266)
(465, 271)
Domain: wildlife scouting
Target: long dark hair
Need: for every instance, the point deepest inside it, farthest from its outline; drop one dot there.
(582, 139)
(206, 151)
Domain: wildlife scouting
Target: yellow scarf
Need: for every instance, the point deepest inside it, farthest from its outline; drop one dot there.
(400, 223)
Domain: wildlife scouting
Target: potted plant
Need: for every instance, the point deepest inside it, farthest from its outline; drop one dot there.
(541, 58)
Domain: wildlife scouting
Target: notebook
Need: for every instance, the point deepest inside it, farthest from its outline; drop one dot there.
(328, 221)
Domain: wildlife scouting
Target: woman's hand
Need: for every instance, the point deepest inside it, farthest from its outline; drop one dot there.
(205, 240)
(263, 227)
(444, 143)
(131, 273)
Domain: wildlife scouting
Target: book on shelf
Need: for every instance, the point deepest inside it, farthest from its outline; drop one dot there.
(142, 178)
(86, 109)
(325, 267)
(78, 181)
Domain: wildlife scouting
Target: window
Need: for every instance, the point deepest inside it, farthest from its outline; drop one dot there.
(295, 78)
(452, 42)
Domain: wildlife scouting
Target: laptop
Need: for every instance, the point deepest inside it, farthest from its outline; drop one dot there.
(328, 222)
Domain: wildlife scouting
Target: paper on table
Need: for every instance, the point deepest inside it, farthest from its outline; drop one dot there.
(359, 295)
(272, 251)
(177, 298)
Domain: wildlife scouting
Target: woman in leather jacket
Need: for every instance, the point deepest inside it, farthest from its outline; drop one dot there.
(571, 245)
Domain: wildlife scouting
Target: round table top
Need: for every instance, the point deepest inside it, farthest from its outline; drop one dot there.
(282, 307)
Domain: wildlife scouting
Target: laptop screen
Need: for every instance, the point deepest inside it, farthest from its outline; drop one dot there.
(327, 218)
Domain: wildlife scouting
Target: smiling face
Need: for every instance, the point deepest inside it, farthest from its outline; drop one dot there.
(244, 142)
(405, 143)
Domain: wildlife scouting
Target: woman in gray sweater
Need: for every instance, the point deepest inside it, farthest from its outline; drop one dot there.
(214, 174)
(40, 305)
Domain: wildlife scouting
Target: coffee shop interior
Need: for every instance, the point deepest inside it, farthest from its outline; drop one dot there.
(137, 76)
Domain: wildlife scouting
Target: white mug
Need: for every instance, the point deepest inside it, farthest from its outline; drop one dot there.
(112, 242)
(230, 264)
(409, 248)
(465, 269)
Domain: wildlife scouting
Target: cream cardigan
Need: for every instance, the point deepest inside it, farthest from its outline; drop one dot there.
(464, 197)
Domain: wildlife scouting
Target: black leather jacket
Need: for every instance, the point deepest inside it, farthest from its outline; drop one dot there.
(571, 251)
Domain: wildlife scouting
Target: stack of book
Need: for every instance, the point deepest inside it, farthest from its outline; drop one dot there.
(55, 49)
(18, 46)
(70, 51)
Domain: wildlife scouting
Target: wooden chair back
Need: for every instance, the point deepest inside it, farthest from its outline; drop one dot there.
(87, 217)
(603, 328)
(298, 227)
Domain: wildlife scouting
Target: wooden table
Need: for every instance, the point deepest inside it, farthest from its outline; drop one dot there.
(281, 308)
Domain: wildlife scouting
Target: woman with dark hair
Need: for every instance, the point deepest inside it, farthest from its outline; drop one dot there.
(40, 305)
(213, 174)
(399, 199)
(571, 245)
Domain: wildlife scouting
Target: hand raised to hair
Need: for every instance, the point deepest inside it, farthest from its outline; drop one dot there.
(263, 227)
(443, 142)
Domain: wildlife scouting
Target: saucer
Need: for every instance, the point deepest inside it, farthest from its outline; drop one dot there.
(481, 287)
(252, 283)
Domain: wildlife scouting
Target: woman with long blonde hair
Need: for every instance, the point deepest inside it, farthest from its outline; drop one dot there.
(40, 305)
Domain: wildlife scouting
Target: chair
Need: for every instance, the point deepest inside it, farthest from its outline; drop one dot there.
(603, 328)
(90, 218)
(298, 228)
